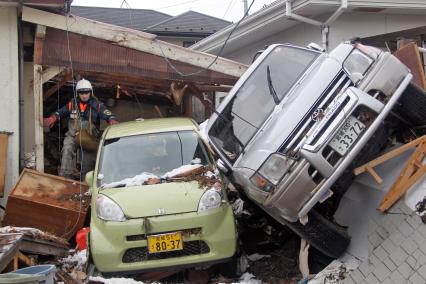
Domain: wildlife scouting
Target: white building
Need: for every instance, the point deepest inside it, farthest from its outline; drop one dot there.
(325, 22)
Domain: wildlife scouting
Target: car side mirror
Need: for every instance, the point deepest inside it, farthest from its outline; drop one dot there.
(221, 166)
(89, 178)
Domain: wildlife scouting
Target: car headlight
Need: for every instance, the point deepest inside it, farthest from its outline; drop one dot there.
(357, 64)
(108, 210)
(211, 199)
(275, 167)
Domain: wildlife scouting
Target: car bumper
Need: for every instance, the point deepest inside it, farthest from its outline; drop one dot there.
(207, 238)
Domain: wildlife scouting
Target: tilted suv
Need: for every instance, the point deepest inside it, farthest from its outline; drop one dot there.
(297, 119)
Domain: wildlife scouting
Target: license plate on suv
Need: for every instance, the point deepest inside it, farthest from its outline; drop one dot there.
(347, 135)
(165, 242)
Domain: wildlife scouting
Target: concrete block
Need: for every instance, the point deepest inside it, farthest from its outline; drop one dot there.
(381, 272)
(405, 270)
(397, 277)
(357, 276)
(418, 238)
(405, 229)
(397, 218)
(375, 240)
(422, 230)
(389, 226)
(389, 264)
(409, 246)
(412, 262)
(382, 232)
(419, 256)
(414, 221)
(398, 256)
(397, 238)
(389, 246)
(371, 279)
(374, 261)
(416, 279)
(349, 280)
(388, 281)
(422, 271)
(366, 268)
(380, 253)
(404, 208)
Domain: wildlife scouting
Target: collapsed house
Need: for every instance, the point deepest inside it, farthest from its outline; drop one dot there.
(134, 73)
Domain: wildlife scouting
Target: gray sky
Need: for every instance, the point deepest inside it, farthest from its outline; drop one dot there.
(231, 10)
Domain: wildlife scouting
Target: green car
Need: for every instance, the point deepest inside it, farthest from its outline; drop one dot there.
(158, 200)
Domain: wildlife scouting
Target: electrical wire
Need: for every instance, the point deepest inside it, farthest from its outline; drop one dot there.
(228, 8)
(217, 56)
(81, 126)
(175, 5)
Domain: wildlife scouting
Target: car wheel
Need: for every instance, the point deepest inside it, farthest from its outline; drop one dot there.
(326, 236)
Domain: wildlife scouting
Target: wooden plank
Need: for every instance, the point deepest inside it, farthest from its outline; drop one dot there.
(51, 72)
(409, 55)
(389, 155)
(42, 247)
(408, 176)
(132, 39)
(38, 117)
(3, 159)
(67, 77)
(38, 44)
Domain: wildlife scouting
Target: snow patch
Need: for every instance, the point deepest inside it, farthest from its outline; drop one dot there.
(248, 278)
(180, 170)
(203, 131)
(117, 280)
(134, 181)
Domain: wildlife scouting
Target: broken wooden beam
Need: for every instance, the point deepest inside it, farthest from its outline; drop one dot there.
(412, 172)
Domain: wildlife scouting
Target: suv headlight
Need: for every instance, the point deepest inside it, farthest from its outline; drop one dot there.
(211, 199)
(108, 210)
(357, 65)
(271, 172)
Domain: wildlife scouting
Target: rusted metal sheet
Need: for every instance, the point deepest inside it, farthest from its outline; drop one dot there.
(97, 55)
(47, 202)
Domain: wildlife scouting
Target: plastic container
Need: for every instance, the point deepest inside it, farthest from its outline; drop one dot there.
(21, 278)
(47, 270)
(81, 238)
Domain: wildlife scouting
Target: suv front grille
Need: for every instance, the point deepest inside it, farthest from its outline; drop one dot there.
(295, 140)
(141, 253)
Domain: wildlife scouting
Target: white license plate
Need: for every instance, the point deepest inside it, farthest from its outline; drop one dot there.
(347, 135)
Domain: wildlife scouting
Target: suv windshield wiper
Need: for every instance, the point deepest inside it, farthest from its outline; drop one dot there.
(272, 91)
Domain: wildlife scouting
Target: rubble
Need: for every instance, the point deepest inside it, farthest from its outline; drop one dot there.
(421, 209)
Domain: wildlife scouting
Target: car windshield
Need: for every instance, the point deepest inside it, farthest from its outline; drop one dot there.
(254, 101)
(131, 160)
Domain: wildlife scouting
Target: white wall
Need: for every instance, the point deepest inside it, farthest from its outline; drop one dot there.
(347, 26)
(9, 91)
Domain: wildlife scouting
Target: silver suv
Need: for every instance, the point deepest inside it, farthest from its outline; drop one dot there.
(297, 119)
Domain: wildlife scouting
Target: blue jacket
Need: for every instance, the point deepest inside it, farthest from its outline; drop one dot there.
(99, 111)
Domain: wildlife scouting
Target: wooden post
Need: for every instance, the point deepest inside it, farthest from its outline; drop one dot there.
(38, 97)
(3, 158)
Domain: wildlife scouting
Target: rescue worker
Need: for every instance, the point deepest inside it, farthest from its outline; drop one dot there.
(84, 115)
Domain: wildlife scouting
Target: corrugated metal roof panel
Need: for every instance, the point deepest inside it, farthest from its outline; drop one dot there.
(91, 54)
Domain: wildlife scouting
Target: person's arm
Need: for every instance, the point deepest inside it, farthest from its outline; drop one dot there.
(107, 115)
(62, 112)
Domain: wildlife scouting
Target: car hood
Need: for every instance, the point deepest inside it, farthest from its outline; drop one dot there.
(157, 199)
